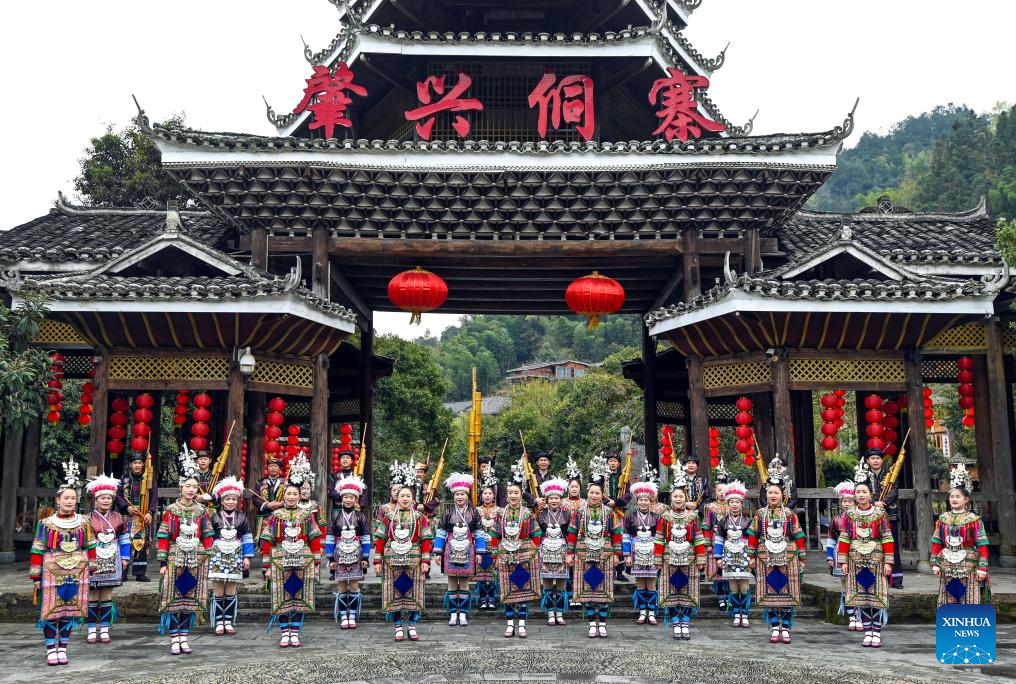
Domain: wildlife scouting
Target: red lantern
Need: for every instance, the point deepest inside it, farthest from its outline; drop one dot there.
(890, 422)
(743, 418)
(117, 432)
(591, 296)
(966, 403)
(141, 430)
(179, 420)
(53, 417)
(119, 419)
(346, 429)
(57, 370)
(829, 443)
(743, 404)
(832, 417)
(874, 416)
(965, 377)
(120, 404)
(417, 291)
(666, 450)
(965, 363)
(181, 410)
(830, 401)
(271, 446)
(273, 432)
(714, 452)
(874, 430)
(742, 445)
(144, 400)
(891, 408)
(840, 393)
(201, 415)
(114, 447)
(890, 436)
(198, 443)
(142, 415)
(890, 449)
(202, 400)
(829, 429)
(275, 418)
(84, 419)
(876, 443)
(200, 429)
(872, 401)
(139, 444)
(968, 421)
(742, 431)
(277, 405)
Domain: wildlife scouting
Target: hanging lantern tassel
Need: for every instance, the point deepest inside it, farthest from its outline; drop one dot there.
(417, 291)
(594, 296)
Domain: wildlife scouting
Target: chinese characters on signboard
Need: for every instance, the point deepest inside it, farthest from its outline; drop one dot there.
(565, 102)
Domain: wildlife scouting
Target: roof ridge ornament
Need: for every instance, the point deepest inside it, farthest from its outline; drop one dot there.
(295, 276)
(994, 282)
(728, 273)
(141, 119)
(846, 232)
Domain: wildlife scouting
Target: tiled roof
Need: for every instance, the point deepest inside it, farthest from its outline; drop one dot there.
(918, 238)
(85, 234)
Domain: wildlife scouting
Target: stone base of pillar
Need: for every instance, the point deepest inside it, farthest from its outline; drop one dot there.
(1007, 561)
(8, 557)
(924, 568)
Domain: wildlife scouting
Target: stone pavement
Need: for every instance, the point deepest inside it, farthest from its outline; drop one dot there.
(821, 653)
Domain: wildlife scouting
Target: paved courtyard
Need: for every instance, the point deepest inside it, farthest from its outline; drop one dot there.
(717, 653)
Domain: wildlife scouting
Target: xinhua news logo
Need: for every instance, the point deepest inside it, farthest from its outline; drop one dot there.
(965, 634)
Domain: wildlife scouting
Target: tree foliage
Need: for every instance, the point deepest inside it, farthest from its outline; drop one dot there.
(124, 169)
(24, 371)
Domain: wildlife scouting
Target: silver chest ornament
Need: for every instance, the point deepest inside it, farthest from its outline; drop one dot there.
(776, 545)
(679, 548)
(511, 542)
(292, 547)
(642, 550)
(106, 552)
(459, 545)
(863, 545)
(954, 553)
(348, 547)
(594, 537)
(552, 546)
(187, 545)
(401, 545)
(735, 551)
(227, 543)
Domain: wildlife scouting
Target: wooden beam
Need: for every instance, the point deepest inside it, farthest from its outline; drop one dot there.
(255, 419)
(983, 437)
(367, 410)
(690, 265)
(391, 247)
(259, 248)
(762, 422)
(30, 454)
(649, 398)
(752, 251)
(12, 445)
(352, 296)
(320, 443)
(319, 281)
(100, 413)
(783, 420)
(676, 279)
(998, 390)
(698, 418)
(235, 418)
(917, 452)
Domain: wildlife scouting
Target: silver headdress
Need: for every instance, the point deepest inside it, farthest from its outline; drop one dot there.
(72, 477)
(722, 475)
(300, 472)
(599, 471)
(959, 478)
(489, 479)
(861, 472)
(403, 473)
(518, 474)
(188, 464)
(649, 474)
(678, 478)
(572, 469)
(777, 473)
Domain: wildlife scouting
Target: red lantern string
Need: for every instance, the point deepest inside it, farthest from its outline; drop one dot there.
(745, 444)
(293, 441)
(117, 426)
(965, 378)
(890, 425)
(201, 415)
(714, 447)
(55, 395)
(273, 424)
(873, 416)
(87, 394)
(832, 418)
(929, 409)
(182, 401)
(243, 461)
(667, 446)
(141, 430)
(345, 444)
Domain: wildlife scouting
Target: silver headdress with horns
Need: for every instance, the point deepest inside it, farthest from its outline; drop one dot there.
(722, 475)
(518, 474)
(403, 473)
(959, 478)
(188, 465)
(599, 471)
(649, 474)
(678, 478)
(300, 472)
(861, 472)
(572, 469)
(72, 477)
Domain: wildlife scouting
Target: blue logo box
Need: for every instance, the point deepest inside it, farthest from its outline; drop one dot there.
(965, 634)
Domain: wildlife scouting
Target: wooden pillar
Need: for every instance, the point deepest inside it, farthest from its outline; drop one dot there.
(752, 251)
(806, 473)
(783, 420)
(255, 419)
(983, 437)
(100, 413)
(319, 280)
(155, 440)
(259, 248)
(367, 411)
(30, 454)
(319, 438)
(762, 423)
(998, 390)
(690, 265)
(917, 453)
(13, 439)
(698, 413)
(234, 417)
(649, 398)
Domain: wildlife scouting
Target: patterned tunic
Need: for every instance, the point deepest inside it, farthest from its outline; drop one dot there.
(61, 551)
(711, 513)
(348, 543)
(959, 548)
(233, 542)
(730, 544)
(680, 546)
(459, 537)
(403, 541)
(639, 541)
(183, 540)
(594, 536)
(488, 518)
(515, 537)
(865, 543)
(776, 541)
(112, 547)
(554, 543)
(291, 547)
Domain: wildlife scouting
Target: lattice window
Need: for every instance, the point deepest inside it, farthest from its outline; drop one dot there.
(847, 370)
(720, 411)
(965, 337)
(938, 370)
(297, 409)
(55, 332)
(736, 374)
(278, 373)
(345, 407)
(168, 368)
(670, 410)
(77, 365)
(1009, 340)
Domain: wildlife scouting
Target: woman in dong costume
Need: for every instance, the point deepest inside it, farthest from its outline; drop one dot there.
(959, 546)
(486, 588)
(573, 499)
(515, 539)
(183, 540)
(845, 493)
(730, 548)
(711, 512)
(679, 553)
(554, 571)
(63, 553)
(777, 554)
(459, 541)
(112, 556)
(291, 555)
(403, 541)
(637, 546)
(347, 547)
(232, 551)
(864, 553)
